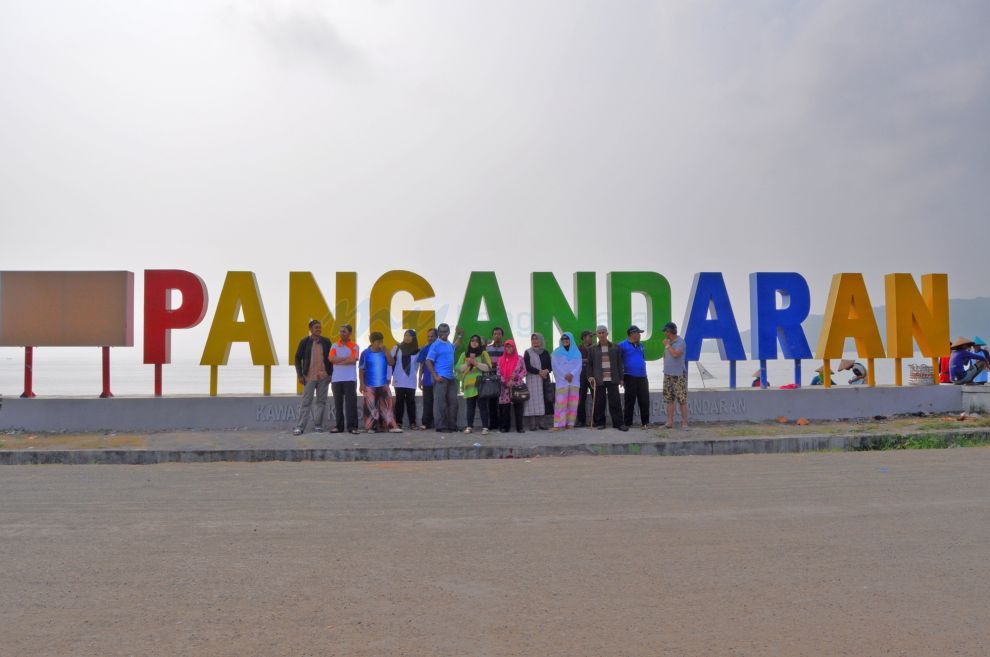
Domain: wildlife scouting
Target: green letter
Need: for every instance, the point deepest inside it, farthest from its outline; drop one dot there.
(550, 306)
(621, 286)
(482, 286)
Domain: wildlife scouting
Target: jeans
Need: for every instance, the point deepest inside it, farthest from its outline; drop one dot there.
(473, 403)
(345, 399)
(445, 394)
(428, 406)
(637, 391)
(973, 371)
(319, 388)
(507, 411)
(405, 399)
(610, 392)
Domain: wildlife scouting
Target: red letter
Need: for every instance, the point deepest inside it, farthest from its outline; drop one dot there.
(160, 318)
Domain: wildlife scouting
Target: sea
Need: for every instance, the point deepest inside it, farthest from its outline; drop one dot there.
(77, 372)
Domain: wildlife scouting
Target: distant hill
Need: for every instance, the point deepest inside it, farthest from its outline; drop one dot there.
(967, 317)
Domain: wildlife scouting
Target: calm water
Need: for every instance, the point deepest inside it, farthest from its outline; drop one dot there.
(77, 372)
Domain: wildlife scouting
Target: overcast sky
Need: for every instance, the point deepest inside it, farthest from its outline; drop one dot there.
(443, 137)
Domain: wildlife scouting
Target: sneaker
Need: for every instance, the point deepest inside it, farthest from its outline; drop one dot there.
(297, 431)
(623, 428)
(336, 430)
(354, 431)
(467, 429)
(395, 430)
(484, 431)
(422, 427)
(600, 427)
(319, 429)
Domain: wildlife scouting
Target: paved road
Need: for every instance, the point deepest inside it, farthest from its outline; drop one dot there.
(808, 554)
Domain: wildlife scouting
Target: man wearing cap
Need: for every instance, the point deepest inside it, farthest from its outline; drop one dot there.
(960, 358)
(605, 365)
(858, 371)
(674, 374)
(637, 386)
(343, 382)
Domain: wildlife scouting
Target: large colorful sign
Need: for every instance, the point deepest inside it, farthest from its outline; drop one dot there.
(779, 305)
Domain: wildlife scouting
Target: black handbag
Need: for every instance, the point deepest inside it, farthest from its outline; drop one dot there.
(520, 393)
(489, 385)
(549, 392)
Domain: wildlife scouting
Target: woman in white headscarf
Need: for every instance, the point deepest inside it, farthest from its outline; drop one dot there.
(538, 370)
(566, 364)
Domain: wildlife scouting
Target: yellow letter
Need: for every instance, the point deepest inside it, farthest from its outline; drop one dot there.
(240, 292)
(306, 302)
(923, 316)
(849, 315)
(385, 289)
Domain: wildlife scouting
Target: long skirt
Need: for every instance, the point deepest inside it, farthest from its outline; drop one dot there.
(565, 405)
(535, 405)
(378, 415)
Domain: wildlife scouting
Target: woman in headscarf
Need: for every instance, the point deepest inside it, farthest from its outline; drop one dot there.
(512, 372)
(470, 365)
(538, 369)
(404, 377)
(566, 364)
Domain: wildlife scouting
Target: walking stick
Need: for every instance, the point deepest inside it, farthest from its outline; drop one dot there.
(594, 392)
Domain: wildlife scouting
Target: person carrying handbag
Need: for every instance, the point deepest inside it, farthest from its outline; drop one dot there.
(512, 399)
(471, 365)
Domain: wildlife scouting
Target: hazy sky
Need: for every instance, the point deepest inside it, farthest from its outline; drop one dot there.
(443, 137)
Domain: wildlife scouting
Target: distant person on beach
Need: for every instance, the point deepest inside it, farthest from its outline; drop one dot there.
(756, 380)
(538, 369)
(343, 382)
(605, 366)
(587, 342)
(405, 374)
(440, 362)
(981, 347)
(634, 380)
(566, 364)
(961, 357)
(474, 362)
(495, 349)
(512, 374)
(313, 368)
(674, 374)
(426, 379)
(817, 380)
(858, 371)
(373, 372)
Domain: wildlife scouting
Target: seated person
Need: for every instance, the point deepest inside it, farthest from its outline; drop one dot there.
(961, 357)
(858, 370)
(817, 381)
(756, 380)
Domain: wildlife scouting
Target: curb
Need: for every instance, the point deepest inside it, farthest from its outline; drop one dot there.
(730, 446)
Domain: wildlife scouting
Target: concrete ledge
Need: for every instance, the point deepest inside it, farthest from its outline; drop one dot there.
(281, 412)
(729, 446)
(976, 399)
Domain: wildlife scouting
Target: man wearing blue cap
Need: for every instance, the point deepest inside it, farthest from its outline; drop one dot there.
(634, 379)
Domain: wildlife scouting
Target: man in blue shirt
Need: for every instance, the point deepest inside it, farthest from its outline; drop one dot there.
(426, 380)
(373, 372)
(440, 363)
(634, 379)
(961, 356)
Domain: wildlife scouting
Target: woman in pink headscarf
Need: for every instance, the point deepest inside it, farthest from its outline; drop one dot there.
(512, 372)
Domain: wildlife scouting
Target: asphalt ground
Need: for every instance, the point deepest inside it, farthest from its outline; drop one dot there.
(879, 553)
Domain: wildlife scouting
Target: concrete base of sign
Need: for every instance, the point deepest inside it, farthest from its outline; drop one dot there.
(281, 411)
(976, 399)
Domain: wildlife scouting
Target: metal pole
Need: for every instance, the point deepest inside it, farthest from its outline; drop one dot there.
(106, 394)
(28, 373)
(763, 374)
(158, 379)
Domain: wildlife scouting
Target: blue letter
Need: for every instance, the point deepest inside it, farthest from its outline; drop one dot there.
(708, 295)
(771, 323)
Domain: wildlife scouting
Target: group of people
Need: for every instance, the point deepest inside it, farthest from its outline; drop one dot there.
(858, 371)
(967, 364)
(538, 389)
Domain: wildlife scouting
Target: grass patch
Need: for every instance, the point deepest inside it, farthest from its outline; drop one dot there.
(922, 441)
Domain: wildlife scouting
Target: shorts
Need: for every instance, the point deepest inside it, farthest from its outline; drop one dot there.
(674, 388)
